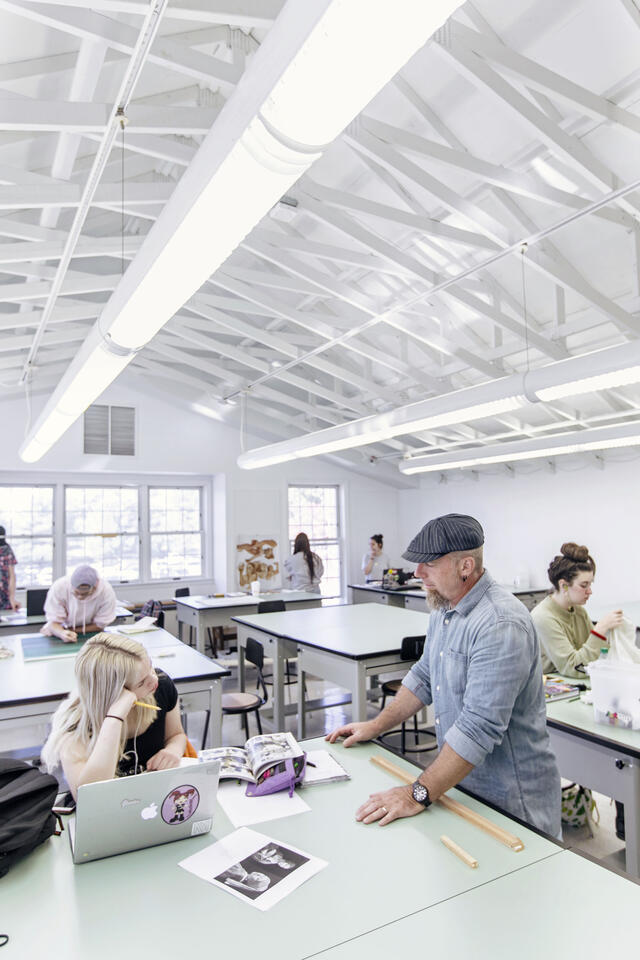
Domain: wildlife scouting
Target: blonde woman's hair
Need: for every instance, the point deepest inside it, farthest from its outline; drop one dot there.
(106, 664)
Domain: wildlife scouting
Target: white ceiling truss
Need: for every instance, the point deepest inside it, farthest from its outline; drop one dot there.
(519, 116)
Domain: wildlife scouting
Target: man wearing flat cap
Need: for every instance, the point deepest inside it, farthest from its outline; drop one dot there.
(481, 670)
(80, 603)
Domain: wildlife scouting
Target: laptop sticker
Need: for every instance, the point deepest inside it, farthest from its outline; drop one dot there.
(181, 804)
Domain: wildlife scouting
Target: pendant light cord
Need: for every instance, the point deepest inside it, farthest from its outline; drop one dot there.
(123, 122)
(523, 250)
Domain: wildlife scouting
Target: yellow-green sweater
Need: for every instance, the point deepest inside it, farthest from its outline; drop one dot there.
(565, 637)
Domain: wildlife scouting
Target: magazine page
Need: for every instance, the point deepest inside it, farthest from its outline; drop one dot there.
(267, 749)
(234, 763)
(256, 869)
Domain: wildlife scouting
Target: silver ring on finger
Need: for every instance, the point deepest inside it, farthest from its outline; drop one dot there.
(384, 809)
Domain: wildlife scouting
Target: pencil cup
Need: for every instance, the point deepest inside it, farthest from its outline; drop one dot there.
(255, 588)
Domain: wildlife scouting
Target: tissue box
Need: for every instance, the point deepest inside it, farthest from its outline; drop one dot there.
(615, 687)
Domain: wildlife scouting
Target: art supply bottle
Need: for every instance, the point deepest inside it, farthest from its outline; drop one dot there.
(603, 653)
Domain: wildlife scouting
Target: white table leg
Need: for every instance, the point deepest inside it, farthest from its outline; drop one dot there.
(359, 692)
(278, 687)
(200, 629)
(214, 737)
(302, 716)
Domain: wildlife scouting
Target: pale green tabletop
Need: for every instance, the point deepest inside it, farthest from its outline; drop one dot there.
(143, 903)
(579, 716)
(556, 908)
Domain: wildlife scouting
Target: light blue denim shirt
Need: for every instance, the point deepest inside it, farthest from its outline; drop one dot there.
(481, 670)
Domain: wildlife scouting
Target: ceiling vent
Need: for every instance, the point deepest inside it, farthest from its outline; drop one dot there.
(109, 430)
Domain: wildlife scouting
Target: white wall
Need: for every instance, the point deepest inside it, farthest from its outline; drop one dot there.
(171, 439)
(526, 519)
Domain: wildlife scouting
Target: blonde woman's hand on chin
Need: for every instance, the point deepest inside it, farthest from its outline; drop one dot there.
(122, 706)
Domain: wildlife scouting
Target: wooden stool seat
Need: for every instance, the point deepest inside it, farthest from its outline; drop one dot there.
(239, 701)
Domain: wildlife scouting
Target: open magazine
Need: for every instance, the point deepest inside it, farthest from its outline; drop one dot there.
(269, 762)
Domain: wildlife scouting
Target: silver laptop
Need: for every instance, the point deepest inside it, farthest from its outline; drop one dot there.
(130, 813)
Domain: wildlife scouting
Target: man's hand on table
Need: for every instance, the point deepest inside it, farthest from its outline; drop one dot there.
(354, 733)
(388, 805)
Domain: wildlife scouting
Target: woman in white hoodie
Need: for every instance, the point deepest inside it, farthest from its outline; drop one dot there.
(80, 603)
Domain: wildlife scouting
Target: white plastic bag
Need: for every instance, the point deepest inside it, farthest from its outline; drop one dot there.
(622, 643)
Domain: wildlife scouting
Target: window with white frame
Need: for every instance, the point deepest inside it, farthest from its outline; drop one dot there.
(102, 529)
(26, 513)
(315, 510)
(176, 532)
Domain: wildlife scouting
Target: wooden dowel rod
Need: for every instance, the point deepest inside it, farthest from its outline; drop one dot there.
(509, 839)
(459, 852)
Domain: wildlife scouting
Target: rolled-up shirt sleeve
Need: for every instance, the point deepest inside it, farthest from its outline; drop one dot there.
(56, 607)
(497, 671)
(418, 680)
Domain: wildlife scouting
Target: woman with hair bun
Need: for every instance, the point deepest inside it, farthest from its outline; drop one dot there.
(568, 638)
(375, 562)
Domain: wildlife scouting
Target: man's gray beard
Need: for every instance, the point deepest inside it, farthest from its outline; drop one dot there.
(435, 600)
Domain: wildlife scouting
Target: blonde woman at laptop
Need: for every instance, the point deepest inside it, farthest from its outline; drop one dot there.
(100, 733)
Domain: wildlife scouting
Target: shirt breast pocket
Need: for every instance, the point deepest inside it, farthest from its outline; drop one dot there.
(455, 670)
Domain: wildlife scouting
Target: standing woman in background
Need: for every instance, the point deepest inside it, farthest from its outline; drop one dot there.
(7, 575)
(375, 562)
(568, 638)
(304, 569)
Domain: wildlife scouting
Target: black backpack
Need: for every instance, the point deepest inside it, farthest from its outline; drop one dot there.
(26, 818)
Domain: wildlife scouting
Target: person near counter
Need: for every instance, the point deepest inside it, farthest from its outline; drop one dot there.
(7, 575)
(99, 732)
(481, 670)
(568, 637)
(303, 570)
(80, 603)
(376, 561)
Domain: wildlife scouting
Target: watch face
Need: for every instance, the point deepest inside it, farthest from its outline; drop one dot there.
(420, 793)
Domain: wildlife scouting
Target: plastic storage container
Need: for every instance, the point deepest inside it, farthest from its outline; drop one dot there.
(615, 687)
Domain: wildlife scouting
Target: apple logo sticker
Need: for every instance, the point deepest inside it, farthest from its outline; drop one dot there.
(148, 813)
(181, 804)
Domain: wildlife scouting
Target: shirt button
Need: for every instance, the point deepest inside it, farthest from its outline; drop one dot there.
(437, 719)
(438, 687)
(446, 623)
(441, 653)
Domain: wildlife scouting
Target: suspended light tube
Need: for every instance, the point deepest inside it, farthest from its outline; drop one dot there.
(582, 441)
(608, 368)
(319, 66)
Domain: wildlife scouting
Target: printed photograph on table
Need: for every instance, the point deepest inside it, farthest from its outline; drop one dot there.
(253, 867)
(262, 870)
(258, 559)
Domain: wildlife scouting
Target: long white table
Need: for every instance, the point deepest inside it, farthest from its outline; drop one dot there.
(344, 644)
(204, 612)
(413, 598)
(375, 877)
(30, 690)
(605, 758)
(522, 914)
(19, 622)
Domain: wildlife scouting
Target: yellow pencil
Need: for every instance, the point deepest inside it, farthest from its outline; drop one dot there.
(148, 706)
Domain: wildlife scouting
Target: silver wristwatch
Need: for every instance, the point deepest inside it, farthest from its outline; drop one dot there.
(420, 794)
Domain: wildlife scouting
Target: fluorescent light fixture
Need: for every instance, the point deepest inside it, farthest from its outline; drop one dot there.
(583, 441)
(320, 65)
(614, 366)
(600, 370)
(92, 370)
(472, 403)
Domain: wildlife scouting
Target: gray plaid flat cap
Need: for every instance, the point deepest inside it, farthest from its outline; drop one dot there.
(455, 531)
